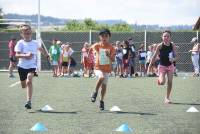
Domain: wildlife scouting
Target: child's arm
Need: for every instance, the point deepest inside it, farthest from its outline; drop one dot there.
(154, 57)
(24, 55)
(45, 53)
(176, 56)
(69, 62)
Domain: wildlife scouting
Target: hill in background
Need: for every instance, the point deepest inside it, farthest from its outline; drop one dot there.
(52, 21)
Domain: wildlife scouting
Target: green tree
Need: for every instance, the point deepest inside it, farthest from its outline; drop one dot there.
(90, 24)
(73, 25)
(1, 21)
(121, 28)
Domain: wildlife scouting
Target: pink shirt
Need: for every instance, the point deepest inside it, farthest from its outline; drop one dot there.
(84, 52)
(11, 46)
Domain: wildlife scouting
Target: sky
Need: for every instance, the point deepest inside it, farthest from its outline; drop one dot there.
(153, 12)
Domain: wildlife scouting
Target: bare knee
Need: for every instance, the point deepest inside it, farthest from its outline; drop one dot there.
(23, 86)
(169, 82)
(102, 78)
(28, 82)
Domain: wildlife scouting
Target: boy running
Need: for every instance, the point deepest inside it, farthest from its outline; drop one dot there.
(26, 50)
(105, 54)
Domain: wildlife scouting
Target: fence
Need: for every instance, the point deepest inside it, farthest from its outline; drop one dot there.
(181, 39)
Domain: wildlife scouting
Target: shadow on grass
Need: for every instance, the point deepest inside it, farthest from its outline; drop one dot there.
(177, 103)
(125, 112)
(54, 112)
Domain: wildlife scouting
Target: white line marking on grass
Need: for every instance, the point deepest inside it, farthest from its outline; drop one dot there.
(14, 84)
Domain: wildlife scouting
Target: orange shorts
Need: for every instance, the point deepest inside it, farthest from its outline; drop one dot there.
(166, 69)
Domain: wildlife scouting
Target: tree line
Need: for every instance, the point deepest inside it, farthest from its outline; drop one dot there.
(89, 24)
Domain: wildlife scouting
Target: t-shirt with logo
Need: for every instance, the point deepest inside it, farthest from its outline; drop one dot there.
(103, 62)
(54, 51)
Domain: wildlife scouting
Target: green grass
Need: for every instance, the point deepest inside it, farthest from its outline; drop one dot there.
(140, 99)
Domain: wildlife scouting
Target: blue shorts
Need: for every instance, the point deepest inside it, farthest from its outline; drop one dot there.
(142, 62)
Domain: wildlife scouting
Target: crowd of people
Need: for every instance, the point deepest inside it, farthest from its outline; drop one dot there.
(124, 65)
(99, 59)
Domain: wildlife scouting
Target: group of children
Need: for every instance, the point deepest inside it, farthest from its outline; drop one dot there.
(61, 58)
(104, 54)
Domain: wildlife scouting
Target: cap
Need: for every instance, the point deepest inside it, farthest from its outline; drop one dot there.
(104, 31)
(58, 42)
(194, 39)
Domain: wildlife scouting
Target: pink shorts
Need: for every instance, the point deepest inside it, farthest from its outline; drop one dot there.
(166, 69)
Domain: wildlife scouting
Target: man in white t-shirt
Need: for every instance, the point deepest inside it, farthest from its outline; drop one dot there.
(26, 50)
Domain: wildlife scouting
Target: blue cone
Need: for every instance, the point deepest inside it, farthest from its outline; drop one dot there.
(39, 127)
(124, 128)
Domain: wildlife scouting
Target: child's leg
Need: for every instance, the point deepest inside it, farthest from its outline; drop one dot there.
(54, 70)
(23, 84)
(140, 69)
(29, 86)
(161, 79)
(103, 91)
(11, 68)
(99, 83)
(62, 70)
(162, 73)
(169, 84)
(23, 76)
(143, 69)
(104, 86)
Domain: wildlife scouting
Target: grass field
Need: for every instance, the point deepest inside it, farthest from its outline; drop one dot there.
(140, 99)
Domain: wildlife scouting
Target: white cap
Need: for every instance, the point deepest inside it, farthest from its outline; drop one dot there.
(194, 39)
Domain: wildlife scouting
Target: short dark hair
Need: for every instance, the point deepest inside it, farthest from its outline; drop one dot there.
(130, 38)
(167, 31)
(104, 31)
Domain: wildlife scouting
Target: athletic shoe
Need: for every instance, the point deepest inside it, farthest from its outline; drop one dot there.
(121, 76)
(35, 74)
(93, 96)
(154, 75)
(175, 74)
(11, 76)
(101, 106)
(28, 105)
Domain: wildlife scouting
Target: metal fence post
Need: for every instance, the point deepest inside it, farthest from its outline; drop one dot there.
(90, 37)
(145, 40)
